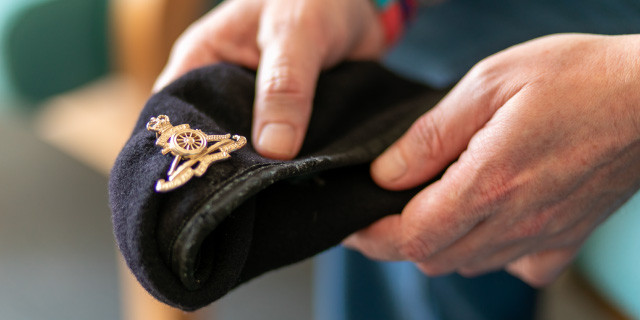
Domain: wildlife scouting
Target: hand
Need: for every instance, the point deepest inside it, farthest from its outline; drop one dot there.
(289, 42)
(547, 140)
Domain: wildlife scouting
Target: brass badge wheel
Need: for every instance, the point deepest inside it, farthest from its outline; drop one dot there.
(190, 145)
(188, 142)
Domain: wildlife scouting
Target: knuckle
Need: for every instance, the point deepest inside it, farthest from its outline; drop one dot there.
(304, 23)
(282, 80)
(283, 89)
(415, 249)
(425, 137)
(496, 192)
(497, 186)
(531, 228)
(491, 81)
(487, 82)
(484, 71)
(523, 231)
(280, 28)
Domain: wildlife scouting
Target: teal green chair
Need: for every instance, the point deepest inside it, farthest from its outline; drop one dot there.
(611, 258)
(53, 46)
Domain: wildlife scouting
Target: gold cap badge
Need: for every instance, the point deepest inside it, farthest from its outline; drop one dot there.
(189, 145)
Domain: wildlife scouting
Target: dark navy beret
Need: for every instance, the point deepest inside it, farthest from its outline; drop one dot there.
(248, 214)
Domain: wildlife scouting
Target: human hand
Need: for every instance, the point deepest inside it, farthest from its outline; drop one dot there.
(288, 42)
(547, 140)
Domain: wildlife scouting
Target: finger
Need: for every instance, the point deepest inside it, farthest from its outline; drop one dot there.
(440, 135)
(526, 237)
(379, 241)
(500, 238)
(192, 54)
(495, 242)
(495, 260)
(474, 249)
(483, 247)
(185, 56)
(502, 257)
(541, 269)
(287, 76)
(431, 221)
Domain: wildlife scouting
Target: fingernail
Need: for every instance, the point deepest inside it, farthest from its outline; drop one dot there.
(277, 139)
(390, 166)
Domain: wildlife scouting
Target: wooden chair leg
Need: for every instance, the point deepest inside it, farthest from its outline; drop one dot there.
(142, 35)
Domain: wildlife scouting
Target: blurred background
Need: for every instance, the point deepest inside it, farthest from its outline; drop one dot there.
(73, 76)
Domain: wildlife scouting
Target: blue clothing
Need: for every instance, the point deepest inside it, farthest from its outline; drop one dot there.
(443, 43)
(446, 40)
(348, 286)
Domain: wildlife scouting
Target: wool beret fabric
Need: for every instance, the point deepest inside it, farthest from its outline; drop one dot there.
(248, 214)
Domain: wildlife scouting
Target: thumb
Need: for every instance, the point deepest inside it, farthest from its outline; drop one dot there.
(439, 136)
(287, 76)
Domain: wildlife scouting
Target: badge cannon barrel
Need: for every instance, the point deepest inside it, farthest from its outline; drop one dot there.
(195, 149)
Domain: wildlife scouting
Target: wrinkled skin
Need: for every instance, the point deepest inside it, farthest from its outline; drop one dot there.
(544, 137)
(548, 139)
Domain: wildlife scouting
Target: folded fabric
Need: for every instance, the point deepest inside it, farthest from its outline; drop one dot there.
(248, 214)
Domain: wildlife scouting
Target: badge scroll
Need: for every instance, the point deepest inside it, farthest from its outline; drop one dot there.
(192, 147)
